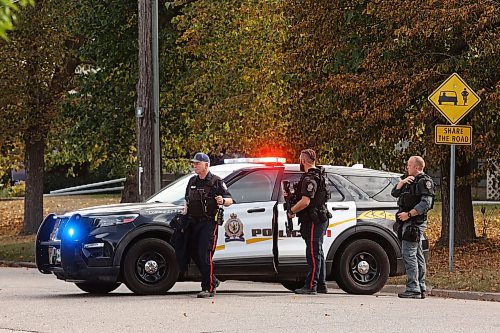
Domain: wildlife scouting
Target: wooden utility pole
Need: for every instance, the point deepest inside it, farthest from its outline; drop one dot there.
(144, 107)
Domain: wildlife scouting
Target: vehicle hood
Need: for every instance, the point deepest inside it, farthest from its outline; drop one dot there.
(129, 208)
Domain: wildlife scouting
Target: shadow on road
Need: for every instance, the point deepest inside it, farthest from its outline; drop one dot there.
(241, 293)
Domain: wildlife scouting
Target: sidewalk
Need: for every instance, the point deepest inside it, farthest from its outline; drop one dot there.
(390, 289)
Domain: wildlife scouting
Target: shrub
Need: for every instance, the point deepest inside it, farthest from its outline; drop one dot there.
(18, 189)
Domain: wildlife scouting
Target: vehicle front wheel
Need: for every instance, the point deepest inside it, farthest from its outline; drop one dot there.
(363, 268)
(150, 267)
(97, 287)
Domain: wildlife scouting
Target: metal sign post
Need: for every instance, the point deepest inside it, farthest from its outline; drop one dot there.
(454, 99)
(452, 205)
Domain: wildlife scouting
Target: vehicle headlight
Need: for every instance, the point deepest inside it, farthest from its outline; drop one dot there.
(110, 220)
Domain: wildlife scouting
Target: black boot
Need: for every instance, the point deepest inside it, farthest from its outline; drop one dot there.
(409, 294)
(305, 291)
(322, 289)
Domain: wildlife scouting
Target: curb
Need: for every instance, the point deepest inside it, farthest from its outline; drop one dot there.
(390, 288)
(8, 263)
(442, 293)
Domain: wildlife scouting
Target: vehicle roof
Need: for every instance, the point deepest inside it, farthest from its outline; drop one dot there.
(342, 170)
(349, 171)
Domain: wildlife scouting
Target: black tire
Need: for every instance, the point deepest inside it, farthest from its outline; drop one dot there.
(353, 278)
(97, 287)
(150, 267)
(292, 285)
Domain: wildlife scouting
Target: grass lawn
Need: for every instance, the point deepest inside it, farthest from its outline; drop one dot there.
(476, 265)
(22, 248)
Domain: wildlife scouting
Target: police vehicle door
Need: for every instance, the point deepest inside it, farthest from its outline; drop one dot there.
(245, 239)
(291, 247)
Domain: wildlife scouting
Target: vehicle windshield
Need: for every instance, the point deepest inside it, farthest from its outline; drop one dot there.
(175, 191)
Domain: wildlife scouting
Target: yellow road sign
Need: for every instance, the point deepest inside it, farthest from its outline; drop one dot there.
(454, 98)
(453, 135)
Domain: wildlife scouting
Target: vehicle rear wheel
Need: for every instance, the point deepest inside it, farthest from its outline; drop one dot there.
(364, 268)
(150, 267)
(97, 287)
(292, 285)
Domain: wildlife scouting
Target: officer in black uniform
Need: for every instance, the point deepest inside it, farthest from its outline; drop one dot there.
(313, 219)
(415, 195)
(204, 193)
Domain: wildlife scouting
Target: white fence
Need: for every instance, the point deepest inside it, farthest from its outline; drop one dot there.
(89, 188)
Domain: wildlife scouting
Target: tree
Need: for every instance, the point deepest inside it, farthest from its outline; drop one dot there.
(232, 90)
(97, 122)
(8, 10)
(37, 71)
(103, 101)
(350, 78)
(370, 65)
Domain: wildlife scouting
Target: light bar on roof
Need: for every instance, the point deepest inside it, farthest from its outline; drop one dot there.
(255, 160)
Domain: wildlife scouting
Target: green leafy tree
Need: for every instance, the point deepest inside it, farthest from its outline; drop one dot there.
(232, 90)
(99, 118)
(37, 71)
(97, 122)
(8, 9)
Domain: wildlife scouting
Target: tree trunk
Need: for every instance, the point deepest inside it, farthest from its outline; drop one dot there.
(33, 199)
(145, 147)
(129, 193)
(464, 219)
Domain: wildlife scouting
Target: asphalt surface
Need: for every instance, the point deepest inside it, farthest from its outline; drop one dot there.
(394, 289)
(33, 302)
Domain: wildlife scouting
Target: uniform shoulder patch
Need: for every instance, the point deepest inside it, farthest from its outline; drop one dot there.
(428, 184)
(310, 187)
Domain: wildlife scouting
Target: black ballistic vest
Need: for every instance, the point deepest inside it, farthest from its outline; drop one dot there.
(316, 211)
(201, 197)
(411, 195)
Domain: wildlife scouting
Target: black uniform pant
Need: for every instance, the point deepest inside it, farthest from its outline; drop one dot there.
(313, 236)
(202, 243)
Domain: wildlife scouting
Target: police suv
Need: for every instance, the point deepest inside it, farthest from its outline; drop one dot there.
(101, 247)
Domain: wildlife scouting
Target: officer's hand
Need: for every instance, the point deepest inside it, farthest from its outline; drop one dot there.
(407, 180)
(403, 216)
(219, 199)
(290, 215)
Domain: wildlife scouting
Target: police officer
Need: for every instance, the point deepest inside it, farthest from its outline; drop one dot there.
(204, 193)
(313, 219)
(415, 195)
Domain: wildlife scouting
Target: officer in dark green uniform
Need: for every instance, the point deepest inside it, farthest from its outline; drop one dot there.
(204, 193)
(415, 195)
(313, 219)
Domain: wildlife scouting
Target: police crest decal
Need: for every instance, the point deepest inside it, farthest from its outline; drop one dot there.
(234, 229)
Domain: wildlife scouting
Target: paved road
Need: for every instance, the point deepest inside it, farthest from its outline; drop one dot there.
(33, 302)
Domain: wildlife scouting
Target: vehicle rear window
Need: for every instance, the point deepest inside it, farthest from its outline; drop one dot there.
(378, 188)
